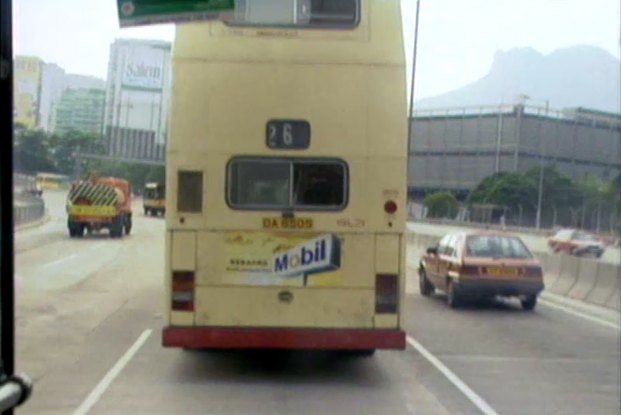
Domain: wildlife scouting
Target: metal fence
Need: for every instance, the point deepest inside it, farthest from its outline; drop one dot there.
(600, 219)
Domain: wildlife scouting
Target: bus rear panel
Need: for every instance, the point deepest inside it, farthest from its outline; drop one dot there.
(286, 177)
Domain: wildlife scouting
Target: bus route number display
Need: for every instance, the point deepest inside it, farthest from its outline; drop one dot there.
(288, 134)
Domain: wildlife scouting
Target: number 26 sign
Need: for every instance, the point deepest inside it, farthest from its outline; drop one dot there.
(288, 134)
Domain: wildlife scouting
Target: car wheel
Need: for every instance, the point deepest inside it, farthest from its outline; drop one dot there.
(452, 297)
(425, 287)
(529, 302)
(116, 228)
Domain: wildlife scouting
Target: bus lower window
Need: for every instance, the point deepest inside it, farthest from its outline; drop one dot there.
(297, 13)
(287, 184)
(190, 191)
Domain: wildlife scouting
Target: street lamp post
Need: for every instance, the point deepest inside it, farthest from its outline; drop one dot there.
(523, 98)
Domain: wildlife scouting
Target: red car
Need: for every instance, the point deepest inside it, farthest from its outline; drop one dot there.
(576, 242)
(476, 265)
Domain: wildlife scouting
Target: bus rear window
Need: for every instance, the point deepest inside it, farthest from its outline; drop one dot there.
(297, 13)
(280, 184)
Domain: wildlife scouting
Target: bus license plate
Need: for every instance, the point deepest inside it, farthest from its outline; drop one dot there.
(288, 223)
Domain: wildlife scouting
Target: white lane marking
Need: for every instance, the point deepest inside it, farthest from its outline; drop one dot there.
(70, 257)
(452, 377)
(59, 261)
(107, 380)
(568, 310)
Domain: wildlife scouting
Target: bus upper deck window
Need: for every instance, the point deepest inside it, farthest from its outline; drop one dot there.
(190, 192)
(297, 13)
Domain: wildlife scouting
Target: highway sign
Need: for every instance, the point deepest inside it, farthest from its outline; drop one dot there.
(146, 12)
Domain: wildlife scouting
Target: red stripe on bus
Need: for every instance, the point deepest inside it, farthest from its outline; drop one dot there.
(282, 338)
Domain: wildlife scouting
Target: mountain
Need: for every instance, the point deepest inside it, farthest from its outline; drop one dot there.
(578, 76)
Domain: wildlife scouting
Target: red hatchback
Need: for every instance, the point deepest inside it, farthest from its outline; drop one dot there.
(475, 265)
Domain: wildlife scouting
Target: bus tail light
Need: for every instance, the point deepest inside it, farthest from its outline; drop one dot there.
(386, 293)
(183, 291)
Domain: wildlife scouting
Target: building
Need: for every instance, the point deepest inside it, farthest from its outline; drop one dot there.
(81, 110)
(52, 86)
(137, 99)
(27, 89)
(454, 149)
(39, 87)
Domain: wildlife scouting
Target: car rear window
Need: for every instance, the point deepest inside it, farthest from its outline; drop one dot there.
(496, 247)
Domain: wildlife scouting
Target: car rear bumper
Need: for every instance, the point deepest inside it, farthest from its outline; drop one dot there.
(282, 338)
(486, 288)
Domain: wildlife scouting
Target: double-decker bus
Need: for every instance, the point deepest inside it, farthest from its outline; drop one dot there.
(286, 179)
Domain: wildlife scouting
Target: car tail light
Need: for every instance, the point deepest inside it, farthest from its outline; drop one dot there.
(470, 270)
(390, 207)
(386, 293)
(183, 291)
(532, 272)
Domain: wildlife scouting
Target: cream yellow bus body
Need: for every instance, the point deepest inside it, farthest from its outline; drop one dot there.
(250, 276)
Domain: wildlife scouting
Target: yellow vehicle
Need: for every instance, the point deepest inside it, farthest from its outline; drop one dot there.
(52, 181)
(154, 199)
(286, 172)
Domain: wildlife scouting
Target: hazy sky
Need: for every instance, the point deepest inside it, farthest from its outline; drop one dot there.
(457, 38)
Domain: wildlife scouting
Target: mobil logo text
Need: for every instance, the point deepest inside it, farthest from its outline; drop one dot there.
(315, 255)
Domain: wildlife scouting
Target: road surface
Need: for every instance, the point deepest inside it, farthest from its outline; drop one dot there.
(89, 320)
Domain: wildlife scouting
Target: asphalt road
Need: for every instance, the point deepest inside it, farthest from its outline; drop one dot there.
(89, 320)
(536, 243)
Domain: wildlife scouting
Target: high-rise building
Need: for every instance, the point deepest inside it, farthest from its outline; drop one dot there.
(80, 109)
(39, 87)
(52, 86)
(27, 87)
(137, 97)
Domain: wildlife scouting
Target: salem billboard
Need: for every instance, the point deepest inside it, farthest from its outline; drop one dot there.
(144, 68)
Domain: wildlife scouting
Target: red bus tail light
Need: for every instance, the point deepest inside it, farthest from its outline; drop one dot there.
(183, 291)
(390, 207)
(386, 293)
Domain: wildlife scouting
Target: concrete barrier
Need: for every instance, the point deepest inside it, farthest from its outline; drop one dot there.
(615, 300)
(551, 268)
(568, 275)
(27, 209)
(606, 286)
(587, 274)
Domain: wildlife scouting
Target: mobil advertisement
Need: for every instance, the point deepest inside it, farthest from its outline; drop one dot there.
(282, 259)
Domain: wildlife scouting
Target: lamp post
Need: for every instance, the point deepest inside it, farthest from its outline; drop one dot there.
(523, 98)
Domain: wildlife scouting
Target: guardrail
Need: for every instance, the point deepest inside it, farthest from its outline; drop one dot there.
(27, 209)
(585, 279)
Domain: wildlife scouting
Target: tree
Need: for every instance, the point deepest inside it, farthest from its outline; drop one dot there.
(507, 189)
(441, 205)
(65, 148)
(32, 152)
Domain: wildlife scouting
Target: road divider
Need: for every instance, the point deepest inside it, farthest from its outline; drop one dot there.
(27, 209)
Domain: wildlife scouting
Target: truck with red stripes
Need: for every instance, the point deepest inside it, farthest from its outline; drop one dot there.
(98, 203)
